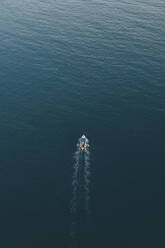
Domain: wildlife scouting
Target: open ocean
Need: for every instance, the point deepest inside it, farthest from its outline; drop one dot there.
(72, 67)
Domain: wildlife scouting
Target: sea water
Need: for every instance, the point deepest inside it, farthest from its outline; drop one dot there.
(82, 66)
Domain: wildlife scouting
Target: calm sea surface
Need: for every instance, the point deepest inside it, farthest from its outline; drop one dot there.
(82, 66)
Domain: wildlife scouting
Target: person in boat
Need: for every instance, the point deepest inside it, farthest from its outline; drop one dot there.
(82, 141)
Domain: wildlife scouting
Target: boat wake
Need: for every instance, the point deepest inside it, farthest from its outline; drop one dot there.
(81, 175)
(87, 180)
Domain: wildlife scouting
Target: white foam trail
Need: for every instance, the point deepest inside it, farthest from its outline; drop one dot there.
(80, 176)
(87, 179)
(74, 201)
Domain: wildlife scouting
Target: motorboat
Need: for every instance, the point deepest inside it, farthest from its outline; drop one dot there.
(83, 142)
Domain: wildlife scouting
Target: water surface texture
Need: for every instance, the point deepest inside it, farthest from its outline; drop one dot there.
(82, 66)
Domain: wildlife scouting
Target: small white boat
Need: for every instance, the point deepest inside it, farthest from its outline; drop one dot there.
(83, 142)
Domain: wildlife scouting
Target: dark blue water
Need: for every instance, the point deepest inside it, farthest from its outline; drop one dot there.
(69, 67)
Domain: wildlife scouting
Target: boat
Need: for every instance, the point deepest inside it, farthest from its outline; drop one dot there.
(83, 142)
